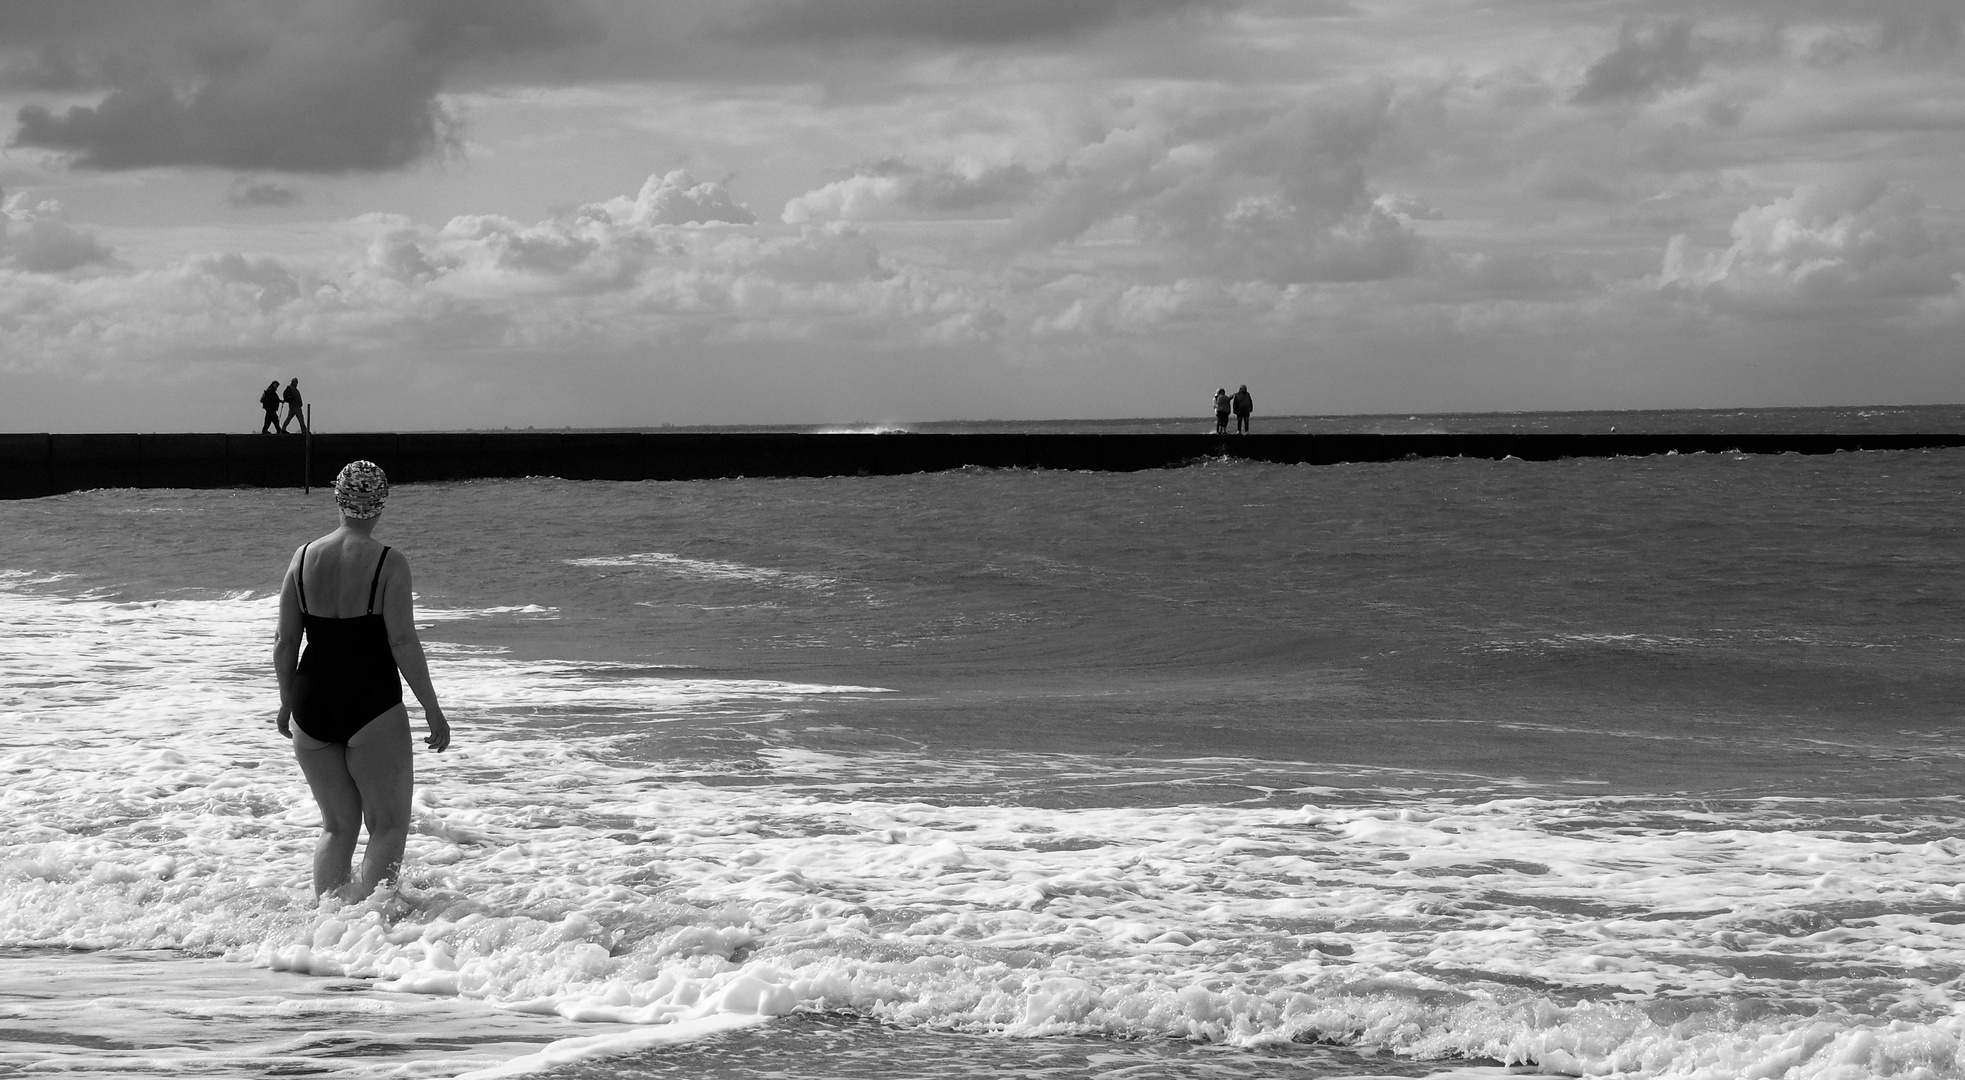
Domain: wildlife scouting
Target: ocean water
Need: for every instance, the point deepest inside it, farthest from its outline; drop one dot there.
(1431, 768)
(1851, 418)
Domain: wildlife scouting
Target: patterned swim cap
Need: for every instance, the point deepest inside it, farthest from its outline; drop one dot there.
(360, 489)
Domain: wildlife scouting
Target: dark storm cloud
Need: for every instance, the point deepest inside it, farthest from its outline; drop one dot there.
(1643, 63)
(322, 86)
(948, 22)
(49, 68)
(51, 46)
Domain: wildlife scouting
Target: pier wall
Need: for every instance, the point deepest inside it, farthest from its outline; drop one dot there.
(34, 465)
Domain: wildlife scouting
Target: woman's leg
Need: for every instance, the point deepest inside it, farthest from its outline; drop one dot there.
(380, 762)
(326, 768)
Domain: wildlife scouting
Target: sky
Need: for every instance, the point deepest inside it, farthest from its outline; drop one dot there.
(447, 214)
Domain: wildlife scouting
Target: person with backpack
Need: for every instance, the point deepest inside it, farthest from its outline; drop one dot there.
(269, 400)
(1243, 404)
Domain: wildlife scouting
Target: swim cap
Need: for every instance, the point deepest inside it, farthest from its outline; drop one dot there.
(360, 489)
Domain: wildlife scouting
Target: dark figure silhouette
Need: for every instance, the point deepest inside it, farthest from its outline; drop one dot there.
(1221, 411)
(292, 398)
(1243, 405)
(269, 399)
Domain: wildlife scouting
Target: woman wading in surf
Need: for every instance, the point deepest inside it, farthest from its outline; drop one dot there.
(350, 595)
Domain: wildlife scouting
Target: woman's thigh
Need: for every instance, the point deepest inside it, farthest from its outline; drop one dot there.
(325, 766)
(382, 767)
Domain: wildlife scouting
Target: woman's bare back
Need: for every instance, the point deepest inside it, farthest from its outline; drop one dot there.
(338, 570)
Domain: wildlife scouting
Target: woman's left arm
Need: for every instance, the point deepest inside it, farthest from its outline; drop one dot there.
(399, 615)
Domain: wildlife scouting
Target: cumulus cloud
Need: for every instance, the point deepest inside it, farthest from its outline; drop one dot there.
(676, 198)
(1826, 249)
(1645, 62)
(36, 238)
(615, 274)
(894, 188)
(951, 22)
(1401, 205)
(1275, 194)
(267, 281)
(316, 86)
(673, 222)
(673, 228)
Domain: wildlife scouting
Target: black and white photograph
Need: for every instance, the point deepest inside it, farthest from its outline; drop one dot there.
(979, 539)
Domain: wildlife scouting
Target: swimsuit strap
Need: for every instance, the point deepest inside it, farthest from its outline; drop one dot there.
(301, 590)
(377, 580)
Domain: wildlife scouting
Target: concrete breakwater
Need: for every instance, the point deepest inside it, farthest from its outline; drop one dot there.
(34, 465)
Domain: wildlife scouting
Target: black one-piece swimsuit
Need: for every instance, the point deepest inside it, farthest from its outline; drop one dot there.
(348, 674)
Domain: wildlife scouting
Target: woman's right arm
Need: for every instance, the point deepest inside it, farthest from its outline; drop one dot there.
(286, 645)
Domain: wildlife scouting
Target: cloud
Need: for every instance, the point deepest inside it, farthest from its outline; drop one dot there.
(246, 194)
(1644, 63)
(1503, 276)
(1831, 249)
(1408, 207)
(947, 22)
(318, 86)
(51, 68)
(268, 281)
(1922, 27)
(674, 261)
(676, 198)
(677, 253)
(35, 238)
(894, 188)
(1274, 192)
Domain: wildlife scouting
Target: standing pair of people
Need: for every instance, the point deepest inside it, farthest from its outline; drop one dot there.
(1241, 403)
(271, 398)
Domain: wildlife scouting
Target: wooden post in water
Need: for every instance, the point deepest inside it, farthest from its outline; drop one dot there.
(307, 455)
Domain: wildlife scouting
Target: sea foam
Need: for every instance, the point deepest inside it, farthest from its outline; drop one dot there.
(150, 806)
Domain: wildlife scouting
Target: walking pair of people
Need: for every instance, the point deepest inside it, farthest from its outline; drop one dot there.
(1241, 403)
(272, 398)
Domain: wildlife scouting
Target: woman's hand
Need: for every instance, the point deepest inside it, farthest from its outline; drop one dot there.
(439, 739)
(286, 712)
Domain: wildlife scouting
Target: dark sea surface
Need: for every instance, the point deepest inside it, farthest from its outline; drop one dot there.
(1853, 418)
(1629, 766)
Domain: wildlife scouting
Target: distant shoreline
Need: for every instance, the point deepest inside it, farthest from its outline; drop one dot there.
(42, 464)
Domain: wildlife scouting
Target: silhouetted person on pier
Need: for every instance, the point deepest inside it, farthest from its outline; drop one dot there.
(1243, 405)
(269, 399)
(1221, 410)
(292, 398)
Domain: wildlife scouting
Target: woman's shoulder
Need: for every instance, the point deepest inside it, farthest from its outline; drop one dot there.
(317, 543)
(394, 561)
